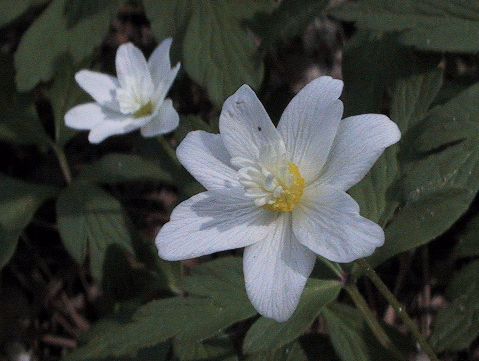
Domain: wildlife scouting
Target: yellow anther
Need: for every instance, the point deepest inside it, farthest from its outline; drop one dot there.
(291, 194)
(144, 111)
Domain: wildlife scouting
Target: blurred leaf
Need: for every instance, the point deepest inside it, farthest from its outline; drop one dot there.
(190, 123)
(19, 201)
(440, 165)
(116, 168)
(37, 55)
(291, 352)
(457, 325)
(468, 245)
(89, 221)
(439, 25)
(290, 18)
(463, 279)
(416, 86)
(217, 51)
(64, 94)
(190, 320)
(267, 334)
(12, 10)
(353, 340)
(76, 10)
(218, 349)
(19, 123)
(413, 96)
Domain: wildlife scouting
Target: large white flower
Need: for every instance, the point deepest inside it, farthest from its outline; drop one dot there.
(279, 192)
(136, 99)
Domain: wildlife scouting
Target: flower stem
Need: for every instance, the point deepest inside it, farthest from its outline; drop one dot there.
(400, 310)
(371, 320)
(62, 160)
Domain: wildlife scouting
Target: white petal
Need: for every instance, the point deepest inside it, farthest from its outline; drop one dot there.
(360, 141)
(164, 84)
(101, 87)
(164, 121)
(210, 222)
(245, 126)
(327, 221)
(159, 61)
(86, 116)
(131, 64)
(206, 158)
(121, 124)
(276, 270)
(309, 124)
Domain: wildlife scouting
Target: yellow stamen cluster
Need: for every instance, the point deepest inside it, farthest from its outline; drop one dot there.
(291, 193)
(144, 111)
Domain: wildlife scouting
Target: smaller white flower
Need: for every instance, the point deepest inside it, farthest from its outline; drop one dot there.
(136, 99)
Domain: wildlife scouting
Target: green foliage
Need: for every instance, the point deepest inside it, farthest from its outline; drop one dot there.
(291, 352)
(266, 334)
(89, 221)
(352, 339)
(438, 25)
(191, 320)
(64, 94)
(290, 18)
(50, 37)
(117, 168)
(469, 240)
(19, 123)
(440, 165)
(12, 10)
(457, 325)
(217, 51)
(19, 201)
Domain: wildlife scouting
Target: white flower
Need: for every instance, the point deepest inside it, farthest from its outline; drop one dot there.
(279, 192)
(136, 99)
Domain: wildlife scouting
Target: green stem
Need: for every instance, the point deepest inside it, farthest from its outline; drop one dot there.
(62, 160)
(371, 320)
(398, 307)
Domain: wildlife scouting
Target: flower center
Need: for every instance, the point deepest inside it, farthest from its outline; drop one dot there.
(144, 111)
(278, 189)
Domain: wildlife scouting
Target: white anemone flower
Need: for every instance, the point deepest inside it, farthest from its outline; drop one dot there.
(136, 99)
(279, 192)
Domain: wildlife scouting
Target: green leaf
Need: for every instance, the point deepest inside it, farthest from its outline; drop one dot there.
(216, 50)
(116, 168)
(89, 221)
(440, 163)
(37, 56)
(290, 18)
(415, 89)
(353, 340)
(463, 279)
(218, 349)
(19, 123)
(64, 94)
(19, 201)
(457, 326)
(190, 320)
(439, 25)
(190, 123)
(218, 54)
(291, 352)
(76, 10)
(12, 10)
(468, 245)
(267, 334)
